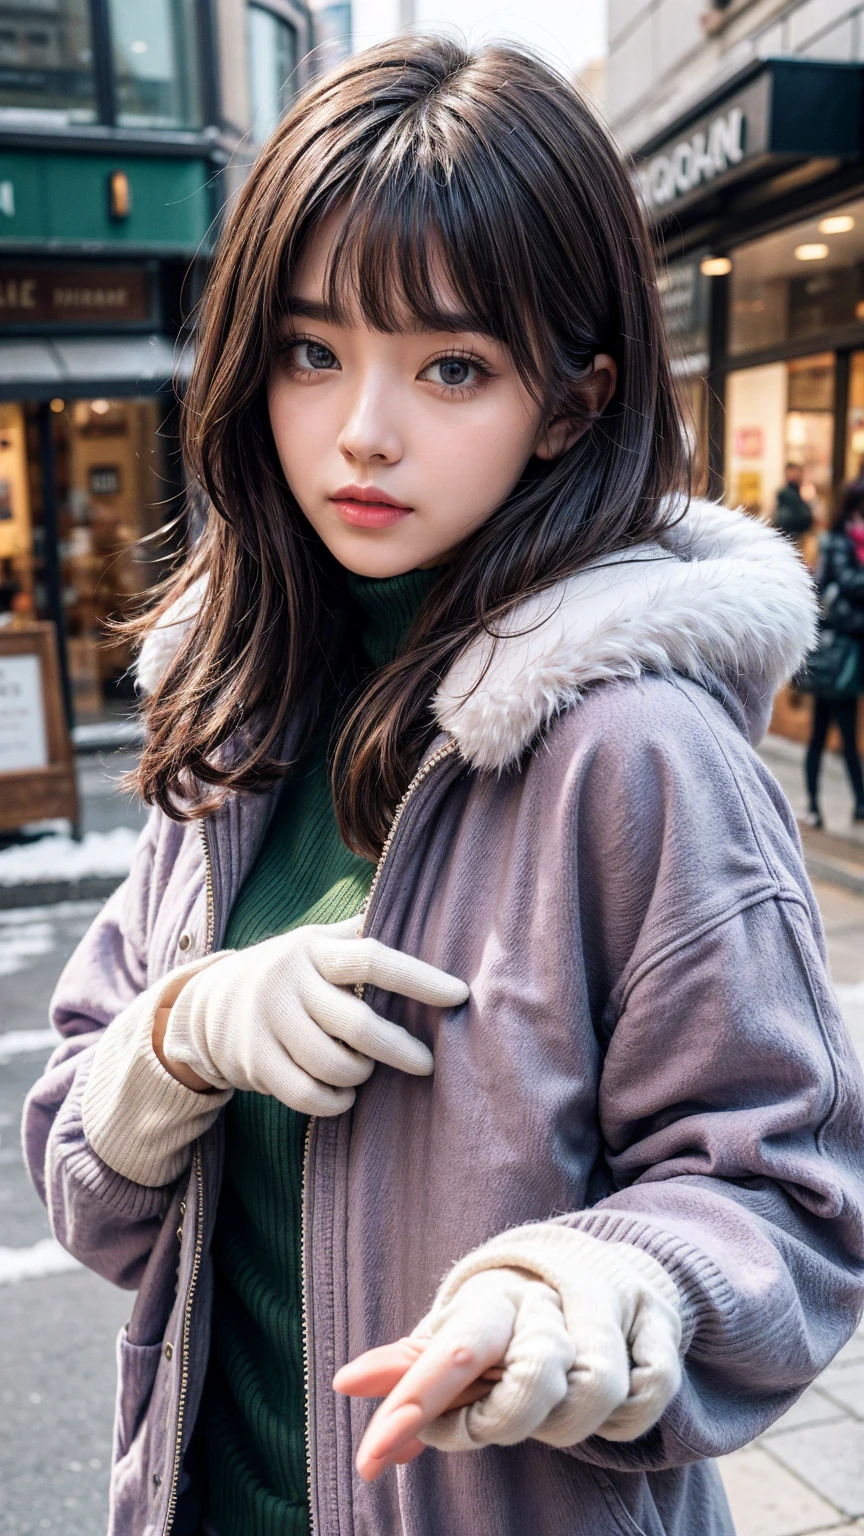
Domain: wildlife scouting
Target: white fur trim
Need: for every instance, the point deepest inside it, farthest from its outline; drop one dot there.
(163, 641)
(721, 594)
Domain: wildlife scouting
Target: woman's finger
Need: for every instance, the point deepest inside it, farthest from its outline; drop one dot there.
(378, 1371)
(474, 1338)
(349, 962)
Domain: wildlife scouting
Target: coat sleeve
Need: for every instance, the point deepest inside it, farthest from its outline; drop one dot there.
(107, 1221)
(731, 1113)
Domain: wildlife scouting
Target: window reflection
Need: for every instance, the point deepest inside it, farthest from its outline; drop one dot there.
(46, 61)
(272, 62)
(156, 71)
(799, 282)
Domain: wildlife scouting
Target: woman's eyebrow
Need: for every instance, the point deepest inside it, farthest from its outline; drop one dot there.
(448, 320)
(313, 309)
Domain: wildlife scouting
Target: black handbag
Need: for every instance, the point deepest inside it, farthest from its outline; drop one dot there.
(834, 668)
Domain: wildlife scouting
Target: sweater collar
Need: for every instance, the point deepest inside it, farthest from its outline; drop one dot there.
(387, 608)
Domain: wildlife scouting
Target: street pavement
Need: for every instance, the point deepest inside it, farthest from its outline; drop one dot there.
(58, 1323)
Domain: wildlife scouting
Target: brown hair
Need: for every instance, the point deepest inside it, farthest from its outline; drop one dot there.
(494, 166)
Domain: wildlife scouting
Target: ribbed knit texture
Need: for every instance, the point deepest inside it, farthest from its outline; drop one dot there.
(252, 1429)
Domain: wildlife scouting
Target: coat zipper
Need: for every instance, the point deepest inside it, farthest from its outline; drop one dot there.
(184, 1343)
(199, 1233)
(442, 752)
(208, 885)
(447, 750)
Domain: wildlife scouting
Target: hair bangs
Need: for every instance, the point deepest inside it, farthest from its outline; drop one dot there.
(419, 250)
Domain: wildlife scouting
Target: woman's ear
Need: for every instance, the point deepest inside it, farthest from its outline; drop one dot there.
(597, 390)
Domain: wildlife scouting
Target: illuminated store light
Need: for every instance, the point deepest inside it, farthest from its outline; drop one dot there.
(715, 266)
(811, 252)
(837, 224)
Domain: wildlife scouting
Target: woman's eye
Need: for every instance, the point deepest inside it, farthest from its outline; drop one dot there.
(312, 356)
(454, 372)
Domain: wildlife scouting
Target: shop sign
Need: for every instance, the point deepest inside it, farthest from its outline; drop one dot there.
(37, 770)
(749, 442)
(683, 292)
(708, 153)
(776, 110)
(22, 717)
(73, 296)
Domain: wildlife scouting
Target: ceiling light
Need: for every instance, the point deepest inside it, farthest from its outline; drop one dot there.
(58, 405)
(101, 407)
(811, 252)
(715, 266)
(838, 224)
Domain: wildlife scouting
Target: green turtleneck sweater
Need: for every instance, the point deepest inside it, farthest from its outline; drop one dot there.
(252, 1432)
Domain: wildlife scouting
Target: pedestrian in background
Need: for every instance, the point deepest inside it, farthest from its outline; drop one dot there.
(835, 670)
(792, 514)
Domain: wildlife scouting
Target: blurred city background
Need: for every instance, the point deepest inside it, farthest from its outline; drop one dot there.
(125, 129)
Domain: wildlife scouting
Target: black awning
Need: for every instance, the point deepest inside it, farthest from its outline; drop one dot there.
(774, 113)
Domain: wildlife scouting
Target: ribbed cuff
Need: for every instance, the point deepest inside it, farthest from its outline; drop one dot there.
(555, 1254)
(137, 1118)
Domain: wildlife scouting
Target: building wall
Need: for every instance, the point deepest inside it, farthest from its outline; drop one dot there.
(666, 54)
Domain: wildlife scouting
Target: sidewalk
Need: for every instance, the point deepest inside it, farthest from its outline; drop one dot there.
(837, 853)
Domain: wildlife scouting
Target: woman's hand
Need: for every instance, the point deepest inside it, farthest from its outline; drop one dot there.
(279, 1018)
(585, 1333)
(420, 1380)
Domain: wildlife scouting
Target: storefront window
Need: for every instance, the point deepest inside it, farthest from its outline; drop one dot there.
(156, 53)
(46, 61)
(779, 414)
(112, 489)
(800, 282)
(272, 62)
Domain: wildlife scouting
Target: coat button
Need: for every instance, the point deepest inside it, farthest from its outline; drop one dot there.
(157, 1481)
(185, 940)
(169, 1351)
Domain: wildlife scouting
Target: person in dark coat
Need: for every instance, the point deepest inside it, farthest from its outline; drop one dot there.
(841, 584)
(792, 514)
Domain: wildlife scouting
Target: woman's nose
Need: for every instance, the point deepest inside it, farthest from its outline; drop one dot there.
(370, 433)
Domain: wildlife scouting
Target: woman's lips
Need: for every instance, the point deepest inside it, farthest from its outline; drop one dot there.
(369, 514)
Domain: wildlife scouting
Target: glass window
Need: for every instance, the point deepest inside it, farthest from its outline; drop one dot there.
(779, 414)
(156, 73)
(113, 488)
(46, 61)
(799, 282)
(272, 62)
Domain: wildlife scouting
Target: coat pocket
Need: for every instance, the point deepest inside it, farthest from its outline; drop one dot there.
(137, 1365)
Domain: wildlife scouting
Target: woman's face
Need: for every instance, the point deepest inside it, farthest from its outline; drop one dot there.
(396, 447)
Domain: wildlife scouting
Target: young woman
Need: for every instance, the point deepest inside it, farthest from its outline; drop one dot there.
(557, 1147)
(841, 581)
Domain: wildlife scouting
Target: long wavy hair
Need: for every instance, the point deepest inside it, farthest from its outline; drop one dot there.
(490, 168)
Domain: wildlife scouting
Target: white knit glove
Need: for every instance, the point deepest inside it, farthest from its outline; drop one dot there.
(277, 1017)
(589, 1335)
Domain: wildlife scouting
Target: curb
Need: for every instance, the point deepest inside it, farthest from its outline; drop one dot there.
(850, 877)
(46, 893)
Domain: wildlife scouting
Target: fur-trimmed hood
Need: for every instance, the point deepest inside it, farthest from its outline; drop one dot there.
(719, 596)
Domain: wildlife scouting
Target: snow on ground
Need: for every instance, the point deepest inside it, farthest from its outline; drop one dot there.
(61, 858)
(27, 1042)
(44, 1258)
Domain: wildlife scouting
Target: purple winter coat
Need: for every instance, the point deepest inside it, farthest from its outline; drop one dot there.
(651, 1052)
